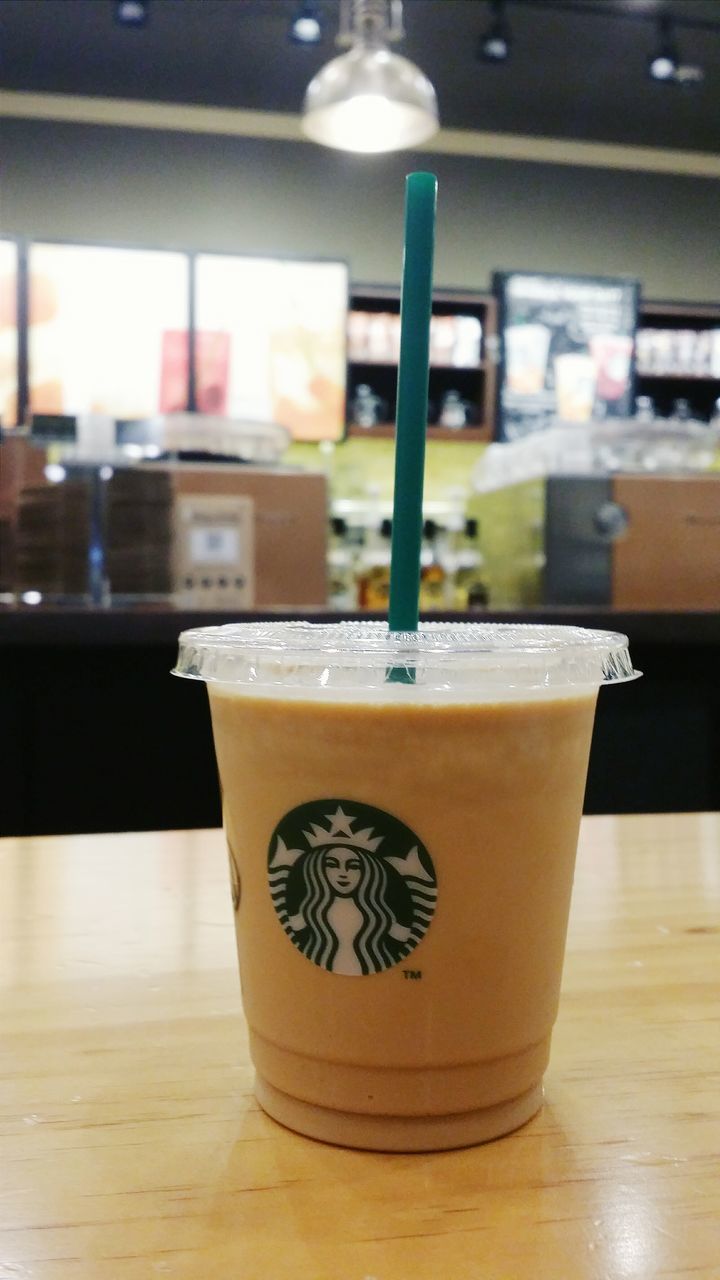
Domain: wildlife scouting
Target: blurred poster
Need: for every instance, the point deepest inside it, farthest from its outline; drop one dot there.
(175, 363)
(8, 334)
(283, 324)
(567, 352)
(211, 387)
(212, 372)
(99, 320)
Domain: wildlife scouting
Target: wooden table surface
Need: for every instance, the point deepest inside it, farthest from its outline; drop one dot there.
(131, 1145)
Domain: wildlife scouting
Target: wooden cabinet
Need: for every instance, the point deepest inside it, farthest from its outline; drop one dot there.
(463, 347)
(678, 356)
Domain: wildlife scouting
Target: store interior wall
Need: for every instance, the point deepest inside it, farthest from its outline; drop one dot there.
(176, 190)
(181, 190)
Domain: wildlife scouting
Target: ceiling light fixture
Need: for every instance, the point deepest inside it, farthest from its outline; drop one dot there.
(663, 64)
(495, 43)
(131, 13)
(370, 99)
(306, 26)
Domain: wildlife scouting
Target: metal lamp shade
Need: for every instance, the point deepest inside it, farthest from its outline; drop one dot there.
(370, 100)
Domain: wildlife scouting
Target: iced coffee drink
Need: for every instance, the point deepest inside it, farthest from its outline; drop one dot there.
(402, 853)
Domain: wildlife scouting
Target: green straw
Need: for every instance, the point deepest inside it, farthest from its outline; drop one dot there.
(412, 405)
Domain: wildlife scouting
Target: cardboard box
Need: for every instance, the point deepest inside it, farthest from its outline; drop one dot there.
(210, 535)
(289, 526)
(21, 465)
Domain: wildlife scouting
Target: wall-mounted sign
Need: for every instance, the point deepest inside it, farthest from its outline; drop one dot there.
(567, 350)
(98, 320)
(271, 342)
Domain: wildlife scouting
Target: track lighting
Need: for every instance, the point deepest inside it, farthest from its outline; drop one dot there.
(663, 64)
(495, 43)
(306, 26)
(131, 13)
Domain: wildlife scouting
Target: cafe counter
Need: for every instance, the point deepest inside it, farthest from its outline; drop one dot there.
(98, 737)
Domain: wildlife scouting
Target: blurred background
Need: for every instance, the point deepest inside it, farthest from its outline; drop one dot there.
(201, 209)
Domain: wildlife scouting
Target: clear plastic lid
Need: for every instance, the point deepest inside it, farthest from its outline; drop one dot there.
(443, 658)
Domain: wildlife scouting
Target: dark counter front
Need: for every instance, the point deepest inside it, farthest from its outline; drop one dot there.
(97, 736)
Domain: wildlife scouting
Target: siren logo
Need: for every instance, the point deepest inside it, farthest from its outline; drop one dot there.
(354, 889)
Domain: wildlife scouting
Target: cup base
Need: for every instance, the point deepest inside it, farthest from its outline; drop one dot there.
(398, 1133)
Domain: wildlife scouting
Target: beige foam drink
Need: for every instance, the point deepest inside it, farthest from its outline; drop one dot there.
(402, 855)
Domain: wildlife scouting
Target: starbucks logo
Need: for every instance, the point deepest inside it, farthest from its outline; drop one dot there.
(353, 888)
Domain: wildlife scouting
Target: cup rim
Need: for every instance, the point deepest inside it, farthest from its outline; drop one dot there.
(440, 654)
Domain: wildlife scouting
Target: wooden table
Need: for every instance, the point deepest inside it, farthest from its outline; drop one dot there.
(132, 1147)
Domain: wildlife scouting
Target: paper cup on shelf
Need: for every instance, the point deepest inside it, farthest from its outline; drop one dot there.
(526, 353)
(575, 377)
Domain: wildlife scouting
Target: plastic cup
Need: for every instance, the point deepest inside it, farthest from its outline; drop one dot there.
(611, 353)
(526, 353)
(402, 858)
(575, 376)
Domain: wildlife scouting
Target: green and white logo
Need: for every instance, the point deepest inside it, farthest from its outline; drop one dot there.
(353, 887)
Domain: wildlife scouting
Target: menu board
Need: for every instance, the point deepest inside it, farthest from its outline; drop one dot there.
(567, 350)
(101, 321)
(271, 342)
(8, 334)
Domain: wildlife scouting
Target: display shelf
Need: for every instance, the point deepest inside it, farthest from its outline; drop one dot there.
(481, 367)
(386, 431)
(474, 383)
(478, 384)
(649, 375)
(700, 388)
(691, 313)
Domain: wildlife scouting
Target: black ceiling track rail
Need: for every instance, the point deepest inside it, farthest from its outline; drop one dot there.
(617, 9)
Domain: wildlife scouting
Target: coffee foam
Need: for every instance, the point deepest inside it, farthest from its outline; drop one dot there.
(392, 694)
